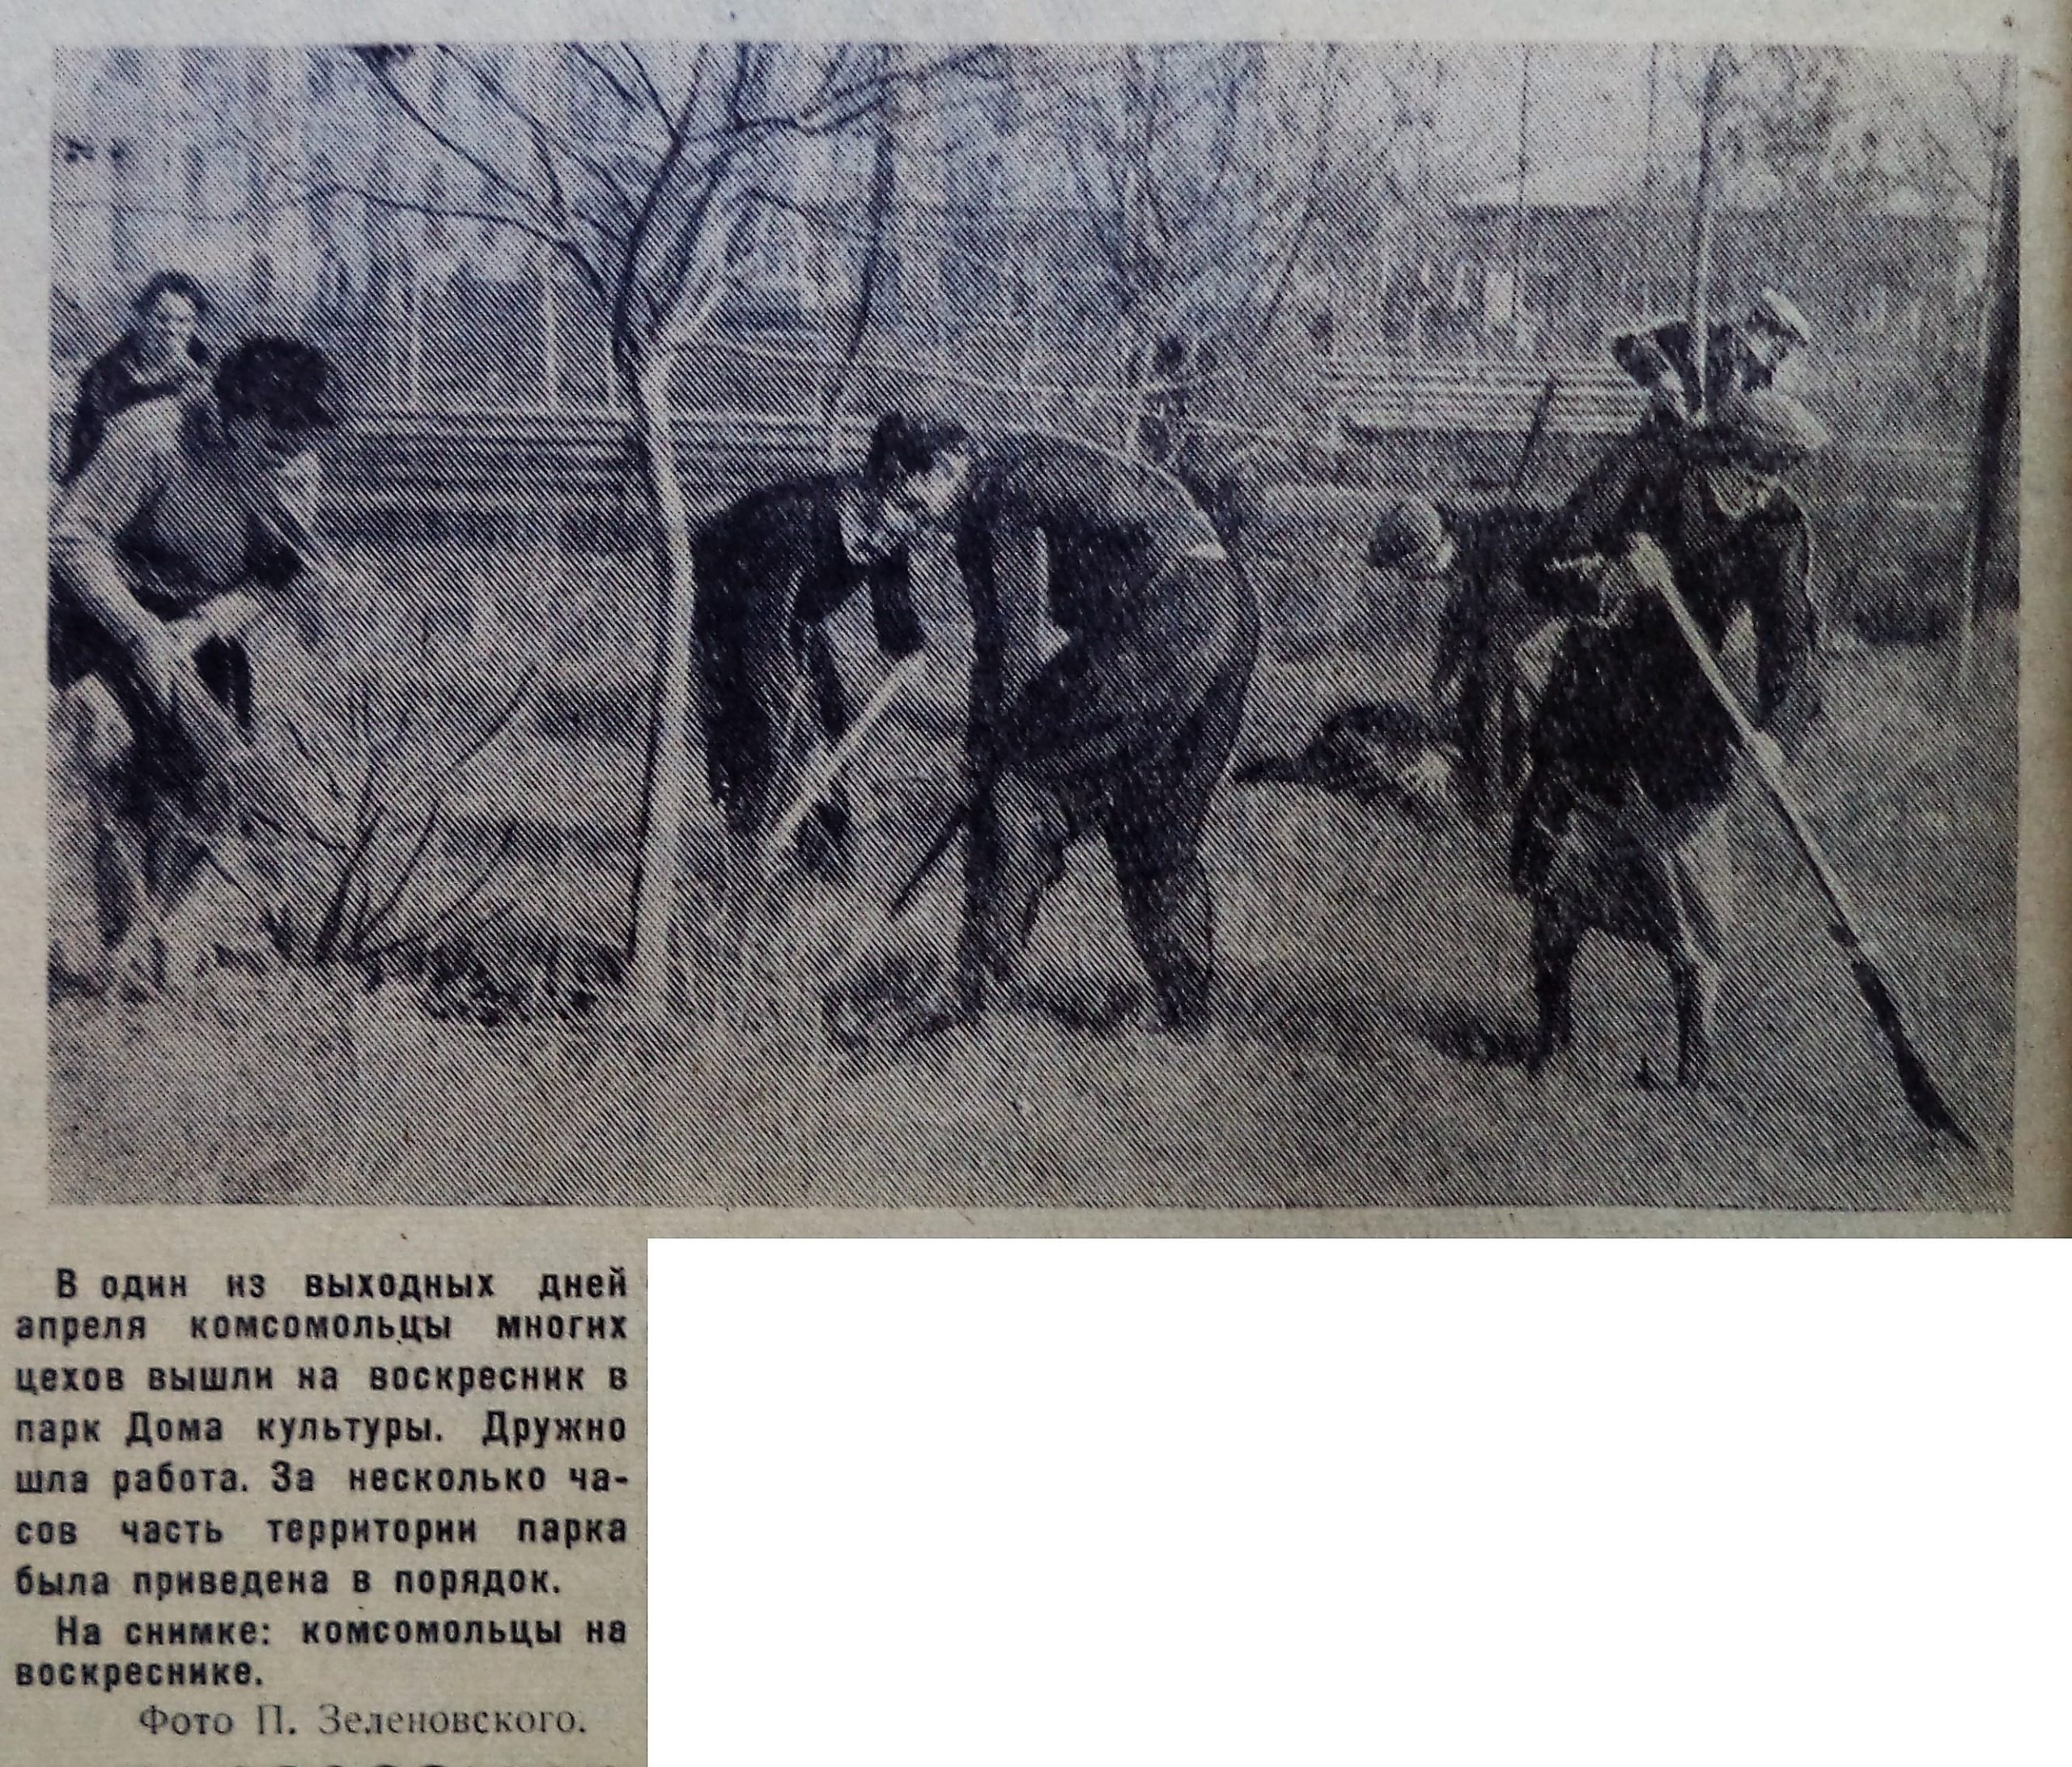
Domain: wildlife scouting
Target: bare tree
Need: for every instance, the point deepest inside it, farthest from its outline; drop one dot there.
(1994, 433)
(1200, 172)
(1770, 119)
(645, 170)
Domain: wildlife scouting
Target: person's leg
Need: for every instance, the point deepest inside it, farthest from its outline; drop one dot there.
(1556, 936)
(225, 667)
(750, 689)
(126, 897)
(1158, 807)
(1014, 852)
(1171, 915)
(1695, 984)
(121, 895)
(1055, 748)
(824, 843)
(1702, 878)
(98, 734)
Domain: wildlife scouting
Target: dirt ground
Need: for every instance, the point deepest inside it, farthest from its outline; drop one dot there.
(1366, 1050)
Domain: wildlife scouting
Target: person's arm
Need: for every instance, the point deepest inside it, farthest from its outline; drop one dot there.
(1564, 569)
(1005, 568)
(298, 570)
(899, 630)
(119, 485)
(1456, 632)
(88, 422)
(1022, 582)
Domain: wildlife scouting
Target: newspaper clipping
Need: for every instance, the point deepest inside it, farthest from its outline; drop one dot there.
(717, 625)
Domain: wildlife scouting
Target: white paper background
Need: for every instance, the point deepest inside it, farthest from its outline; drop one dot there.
(1131, 1503)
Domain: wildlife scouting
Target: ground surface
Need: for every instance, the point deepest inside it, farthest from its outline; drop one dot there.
(1373, 998)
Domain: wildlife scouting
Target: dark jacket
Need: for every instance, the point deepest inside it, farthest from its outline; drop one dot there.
(1626, 699)
(1109, 530)
(1651, 351)
(1487, 615)
(113, 382)
(1486, 606)
(775, 558)
(771, 568)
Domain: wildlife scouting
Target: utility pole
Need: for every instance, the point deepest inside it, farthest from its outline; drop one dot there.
(1518, 217)
(1644, 257)
(1718, 70)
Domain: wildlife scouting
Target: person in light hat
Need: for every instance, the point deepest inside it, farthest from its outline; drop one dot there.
(1741, 356)
(1621, 825)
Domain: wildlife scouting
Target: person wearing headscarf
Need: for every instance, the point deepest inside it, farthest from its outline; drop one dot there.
(1621, 825)
(1742, 356)
(160, 356)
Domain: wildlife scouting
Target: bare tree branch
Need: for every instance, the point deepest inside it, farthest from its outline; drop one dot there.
(629, 289)
(564, 144)
(590, 59)
(491, 175)
(1327, 108)
(370, 919)
(647, 85)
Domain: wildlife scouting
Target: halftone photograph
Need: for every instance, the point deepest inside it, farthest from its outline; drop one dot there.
(1186, 625)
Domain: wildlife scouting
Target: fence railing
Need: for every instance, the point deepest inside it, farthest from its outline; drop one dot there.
(491, 458)
(1465, 395)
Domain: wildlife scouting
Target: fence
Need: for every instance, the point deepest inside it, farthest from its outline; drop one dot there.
(1467, 397)
(1889, 514)
(496, 458)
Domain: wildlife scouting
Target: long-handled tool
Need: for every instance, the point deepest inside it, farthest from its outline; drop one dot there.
(191, 727)
(1922, 1093)
(931, 857)
(1543, 407)
(820, 780)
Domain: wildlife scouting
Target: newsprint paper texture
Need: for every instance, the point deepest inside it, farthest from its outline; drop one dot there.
(1164, 620)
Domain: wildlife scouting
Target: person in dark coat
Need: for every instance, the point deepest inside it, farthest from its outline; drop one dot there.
(772, 567)
(1621, 825)
(186, 513)
(159, 357)
(1740, 357)
(1114, 642)
(1493, 647)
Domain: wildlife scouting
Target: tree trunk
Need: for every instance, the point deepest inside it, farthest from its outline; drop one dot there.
(665, 772)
